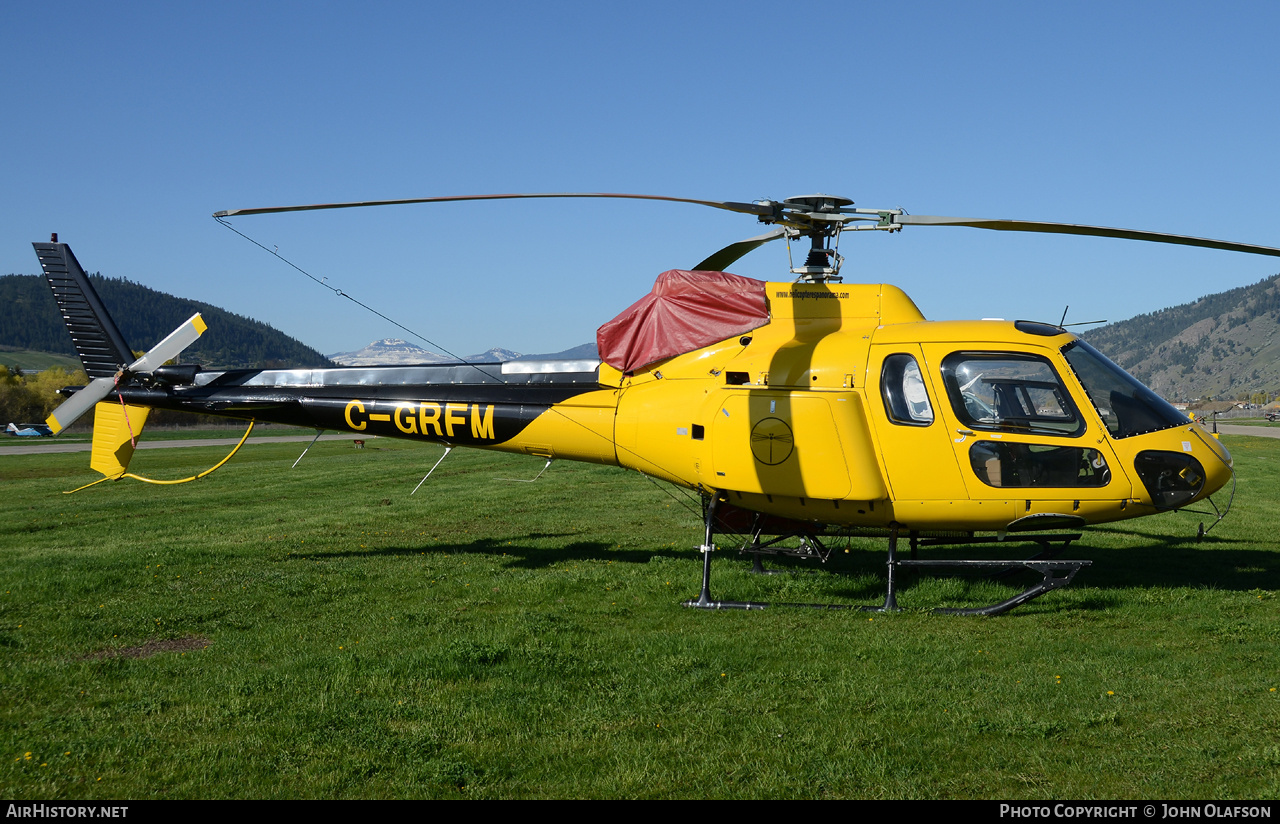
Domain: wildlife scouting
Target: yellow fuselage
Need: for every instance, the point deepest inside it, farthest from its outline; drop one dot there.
(790, 420)
(846, 407)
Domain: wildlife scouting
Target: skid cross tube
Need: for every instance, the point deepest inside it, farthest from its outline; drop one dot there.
(1055, 574)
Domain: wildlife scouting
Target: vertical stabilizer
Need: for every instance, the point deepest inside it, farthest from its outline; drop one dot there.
(101, 347)
(115, 428)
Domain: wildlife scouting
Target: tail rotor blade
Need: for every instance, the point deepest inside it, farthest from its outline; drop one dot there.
(81, 402)
(99, 388)
(172, 346)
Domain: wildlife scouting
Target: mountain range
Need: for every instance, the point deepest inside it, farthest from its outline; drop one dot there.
(394, 351)
(29, 319)
(1223, 346)
(397, 352)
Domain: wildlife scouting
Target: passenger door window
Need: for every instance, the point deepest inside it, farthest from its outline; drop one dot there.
(1009, 392)
(906, 400)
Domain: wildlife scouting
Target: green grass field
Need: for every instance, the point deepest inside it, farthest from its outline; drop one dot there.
(31, 361)
(172, 433)
(320, 633)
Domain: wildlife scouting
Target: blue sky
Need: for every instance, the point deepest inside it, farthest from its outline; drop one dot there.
(128, 125)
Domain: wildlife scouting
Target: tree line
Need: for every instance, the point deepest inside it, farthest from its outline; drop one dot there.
(31, 398)
(29, 319)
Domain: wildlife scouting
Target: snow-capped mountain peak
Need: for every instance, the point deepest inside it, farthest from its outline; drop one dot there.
(397, 352)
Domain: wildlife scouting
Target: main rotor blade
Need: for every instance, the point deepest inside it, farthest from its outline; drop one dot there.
(745, 208)
(1077, 229)
(719, 260)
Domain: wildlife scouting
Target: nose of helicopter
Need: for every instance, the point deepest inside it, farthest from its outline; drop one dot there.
(1181, 466)
(1220, 469)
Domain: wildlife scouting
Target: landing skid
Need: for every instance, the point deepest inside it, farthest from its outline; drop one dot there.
(1055, 573)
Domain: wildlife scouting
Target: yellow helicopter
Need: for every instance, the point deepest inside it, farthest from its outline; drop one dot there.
(792, 408)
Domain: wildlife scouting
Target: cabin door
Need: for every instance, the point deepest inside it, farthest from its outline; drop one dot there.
(1018, 434)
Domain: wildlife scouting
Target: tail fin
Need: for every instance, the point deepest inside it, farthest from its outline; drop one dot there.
(102, 349)
(106, 357)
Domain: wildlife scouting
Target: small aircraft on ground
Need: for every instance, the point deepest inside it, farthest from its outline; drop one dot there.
(28, 430)
(793, 408)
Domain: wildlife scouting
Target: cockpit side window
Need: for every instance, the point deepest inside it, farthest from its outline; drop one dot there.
(906, 400)
(1009, 392)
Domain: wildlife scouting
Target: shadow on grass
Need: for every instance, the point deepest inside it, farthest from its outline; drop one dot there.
(1177, 565)
(1157, 561)
(519, 553)
(1152, 560)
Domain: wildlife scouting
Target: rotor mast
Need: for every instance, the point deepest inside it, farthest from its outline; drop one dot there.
(822, 218)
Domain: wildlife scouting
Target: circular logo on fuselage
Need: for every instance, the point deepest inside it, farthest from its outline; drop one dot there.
(772, 441)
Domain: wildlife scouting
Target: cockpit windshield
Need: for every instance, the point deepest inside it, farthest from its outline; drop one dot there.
(1125, 405)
